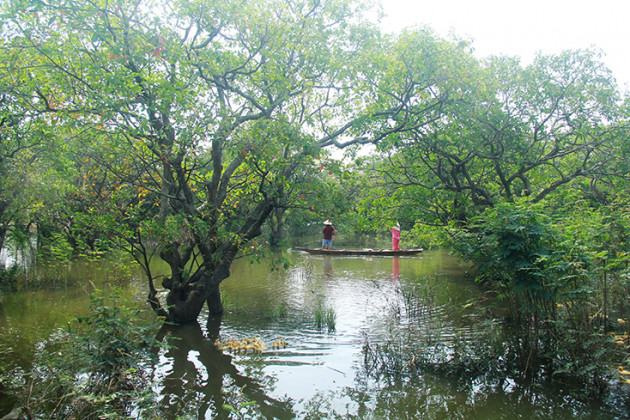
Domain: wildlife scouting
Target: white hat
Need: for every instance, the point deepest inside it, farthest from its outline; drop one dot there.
(328, 222)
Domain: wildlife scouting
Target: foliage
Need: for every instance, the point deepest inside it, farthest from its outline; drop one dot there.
(510, 245)
(557, 274)
(96, 369)
(192, 122)
(424, 236)
(515, 131)
(9, 278)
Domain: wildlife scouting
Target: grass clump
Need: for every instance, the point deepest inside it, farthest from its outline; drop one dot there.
(325, 317)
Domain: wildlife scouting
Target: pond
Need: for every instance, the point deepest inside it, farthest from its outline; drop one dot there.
(334, 313)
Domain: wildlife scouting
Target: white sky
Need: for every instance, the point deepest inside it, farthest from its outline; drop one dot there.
(523, 28)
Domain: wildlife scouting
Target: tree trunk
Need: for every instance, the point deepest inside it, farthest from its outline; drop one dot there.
(276, 225)
(215, 306)
(3, 235)
(4, 225)
(184, 306)
(188, 294)
(189, 291)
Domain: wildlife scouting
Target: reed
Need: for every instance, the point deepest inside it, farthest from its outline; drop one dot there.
(325, 317)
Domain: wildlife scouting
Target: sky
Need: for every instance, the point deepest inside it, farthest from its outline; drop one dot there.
(524, 28)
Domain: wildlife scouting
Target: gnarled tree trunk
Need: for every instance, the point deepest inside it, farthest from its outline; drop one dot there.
(189, 291)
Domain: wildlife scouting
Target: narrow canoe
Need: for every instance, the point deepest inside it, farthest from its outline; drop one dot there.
(341, 251)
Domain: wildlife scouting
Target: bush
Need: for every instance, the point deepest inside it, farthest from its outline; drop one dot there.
(512, 248)
(558, 276)
(95, 369)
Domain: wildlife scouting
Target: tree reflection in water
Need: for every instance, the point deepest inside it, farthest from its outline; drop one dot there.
(196, 379)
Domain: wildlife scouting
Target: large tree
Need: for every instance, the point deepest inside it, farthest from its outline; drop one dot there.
(523, 131)
(203, 113)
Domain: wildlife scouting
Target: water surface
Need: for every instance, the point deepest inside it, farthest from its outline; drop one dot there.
(421, 302)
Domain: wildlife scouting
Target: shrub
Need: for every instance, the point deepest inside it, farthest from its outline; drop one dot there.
(511, 246)
(93, 370)
(557, 275)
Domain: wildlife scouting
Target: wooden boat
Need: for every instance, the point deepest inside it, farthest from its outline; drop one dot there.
(342, 251)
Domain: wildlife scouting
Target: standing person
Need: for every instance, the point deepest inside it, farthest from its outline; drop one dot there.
(396, 236)
(328, 232)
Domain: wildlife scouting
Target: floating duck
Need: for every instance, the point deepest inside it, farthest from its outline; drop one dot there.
(259, 346)
(621, 321)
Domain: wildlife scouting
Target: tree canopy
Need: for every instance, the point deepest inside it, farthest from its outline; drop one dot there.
(176, 129)
(520, 132)
(199, 115)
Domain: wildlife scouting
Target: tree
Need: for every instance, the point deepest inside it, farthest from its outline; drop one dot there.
(523, 131)
(24, 138)
(203, 112)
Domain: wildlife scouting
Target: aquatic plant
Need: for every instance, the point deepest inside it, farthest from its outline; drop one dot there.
(325, 316)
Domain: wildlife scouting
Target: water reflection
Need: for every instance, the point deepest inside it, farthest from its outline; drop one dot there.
(328, 266)
(197, 377)
(395, 268)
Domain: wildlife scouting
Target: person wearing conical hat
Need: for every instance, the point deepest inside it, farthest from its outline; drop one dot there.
(328, 231)
(396, 237)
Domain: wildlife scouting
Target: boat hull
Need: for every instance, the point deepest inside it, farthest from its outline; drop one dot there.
(341, 251)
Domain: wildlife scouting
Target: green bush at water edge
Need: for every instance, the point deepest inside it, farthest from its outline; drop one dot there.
(555, 275)
(94, 370)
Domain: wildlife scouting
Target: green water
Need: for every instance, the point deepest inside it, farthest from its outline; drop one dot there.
(408, 302)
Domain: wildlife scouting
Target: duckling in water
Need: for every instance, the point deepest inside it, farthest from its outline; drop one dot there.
(280, 343)
(255, 344)
(259, 346)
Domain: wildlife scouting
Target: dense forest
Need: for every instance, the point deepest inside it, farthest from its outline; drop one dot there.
(194, 132)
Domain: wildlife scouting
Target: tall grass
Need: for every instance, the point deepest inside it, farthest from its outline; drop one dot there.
(325, 317)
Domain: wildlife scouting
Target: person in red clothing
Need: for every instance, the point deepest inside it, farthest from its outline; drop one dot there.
(395, 236)
(328, 231)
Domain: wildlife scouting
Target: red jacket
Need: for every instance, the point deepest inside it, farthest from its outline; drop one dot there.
(328, 232)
